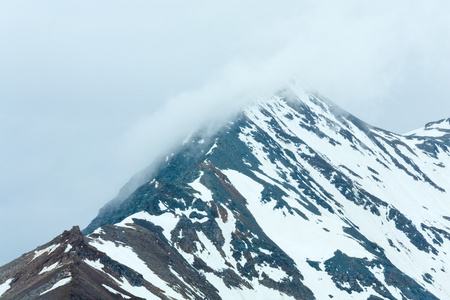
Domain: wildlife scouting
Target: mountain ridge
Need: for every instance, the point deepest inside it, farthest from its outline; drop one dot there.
(245, 212)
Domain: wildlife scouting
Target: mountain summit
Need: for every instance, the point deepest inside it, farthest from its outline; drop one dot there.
(293, 198)
(437, 129)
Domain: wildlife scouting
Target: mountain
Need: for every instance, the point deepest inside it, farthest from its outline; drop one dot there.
(440, 128)
(294, 198)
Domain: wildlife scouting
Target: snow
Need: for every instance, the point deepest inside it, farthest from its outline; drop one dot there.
(259, 291)
(125, 223)
(125, 255)
(167, 221)
(379, 274)
(58, 284)
(138, 291)
(212, 148)
(49, 250)
(398, 188)
(204, 193)
(436, 129)
(5, 286)
(96, 264)
(311, 235)
(275, 274)
(227, 228)
(321, 283)
(68, 248)
(320, 236)
(428, 132)
(444, 124)
(189, 285)
(110, 289)
(265, 251)
(49, 268)
(162, 206)
(210, 255)
(177, 275)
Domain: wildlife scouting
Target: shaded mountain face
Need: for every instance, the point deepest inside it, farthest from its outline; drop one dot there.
(294, 198)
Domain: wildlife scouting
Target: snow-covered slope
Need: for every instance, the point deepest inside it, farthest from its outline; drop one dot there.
(294, 198)
(436, 129)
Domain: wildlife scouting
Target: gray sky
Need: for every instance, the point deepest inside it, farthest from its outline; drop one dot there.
(91, 91)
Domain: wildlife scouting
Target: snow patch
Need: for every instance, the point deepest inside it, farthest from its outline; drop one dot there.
(96, 264)
(259, 291)
(58, 284)
(111, 290)
(203, 192)
(139, 291)
(49, 268)
(212, 148)
(267, 252)
(49, 249)
(5, 286)
(275, 274)
(167, 221)
(209, 254)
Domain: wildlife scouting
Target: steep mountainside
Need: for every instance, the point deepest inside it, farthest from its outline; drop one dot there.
(294, 198)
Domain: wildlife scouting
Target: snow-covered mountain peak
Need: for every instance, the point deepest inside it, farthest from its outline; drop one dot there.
(438, 129)
(293, 198)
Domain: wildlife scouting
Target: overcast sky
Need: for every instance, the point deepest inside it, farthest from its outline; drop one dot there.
(91, 91)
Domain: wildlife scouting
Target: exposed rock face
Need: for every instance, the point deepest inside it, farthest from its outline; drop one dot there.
(61, 269)
(294, 198)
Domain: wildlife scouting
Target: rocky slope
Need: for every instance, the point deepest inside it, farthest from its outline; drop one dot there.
(294, 198)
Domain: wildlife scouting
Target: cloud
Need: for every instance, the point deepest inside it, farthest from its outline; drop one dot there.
(357, 54)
